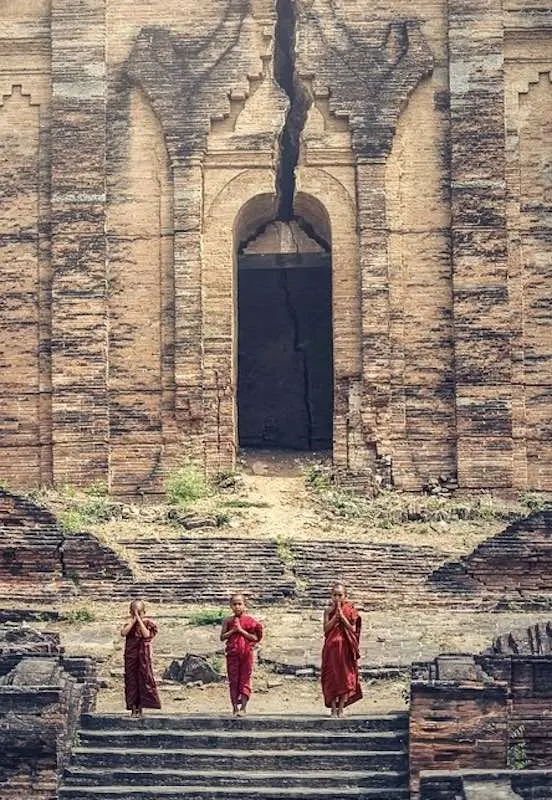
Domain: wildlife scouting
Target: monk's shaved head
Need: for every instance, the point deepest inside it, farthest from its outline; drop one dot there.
(237, 596)
(138, 607)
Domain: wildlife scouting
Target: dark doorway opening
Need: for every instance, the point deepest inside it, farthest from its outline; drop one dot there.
(285, 364)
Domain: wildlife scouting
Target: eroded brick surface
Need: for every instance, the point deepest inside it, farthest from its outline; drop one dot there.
(487, 712)
(142, 142)
(42, 695)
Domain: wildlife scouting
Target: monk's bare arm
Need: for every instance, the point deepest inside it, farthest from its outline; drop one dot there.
(249, 636)
(348, 625)
(146, 633)
(127, 627)
(331, 618)
(226, 633)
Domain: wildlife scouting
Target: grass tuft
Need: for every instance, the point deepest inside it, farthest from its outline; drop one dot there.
(319, 477)
(393, 508)
(284, 548)
(184, 485)
(79, 615)
(207, 616)
(71, 521)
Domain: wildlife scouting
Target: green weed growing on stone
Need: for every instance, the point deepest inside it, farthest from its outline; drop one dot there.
(207, 616)
(185, 484)
(318, 477)
(4, 485)
(98, 508)
(97, 489)
(535, 502)
(78, 615)
(517, 751)
(284, 548)
(71, 521)
(393, 508)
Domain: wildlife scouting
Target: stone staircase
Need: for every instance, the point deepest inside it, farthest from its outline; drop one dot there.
(376, 574)
(210, 568)
(219, 758)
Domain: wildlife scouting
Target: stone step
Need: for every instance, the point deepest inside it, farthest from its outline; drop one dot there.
(163, 777)
(197, 759)
(254, 741)
(229, 793)
(273, 722)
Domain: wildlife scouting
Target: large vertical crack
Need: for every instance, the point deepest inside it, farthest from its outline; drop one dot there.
(285, 74)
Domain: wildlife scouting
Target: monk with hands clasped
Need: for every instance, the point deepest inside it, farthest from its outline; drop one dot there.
(340, 654)
(140, 687)
(241, 634)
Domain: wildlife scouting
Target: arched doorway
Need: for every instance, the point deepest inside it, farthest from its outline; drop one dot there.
(284, 327)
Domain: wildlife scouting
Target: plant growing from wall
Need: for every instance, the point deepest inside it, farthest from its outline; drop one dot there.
(517, 750)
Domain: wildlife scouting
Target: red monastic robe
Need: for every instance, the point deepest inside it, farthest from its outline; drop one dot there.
(340, 656)
(140, 686)
(239, 657)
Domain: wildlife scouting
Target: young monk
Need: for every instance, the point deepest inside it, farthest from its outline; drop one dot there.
(340, 654)
(241, 633)
(140, 687)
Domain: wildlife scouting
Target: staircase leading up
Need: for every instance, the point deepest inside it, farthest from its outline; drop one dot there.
(220, 758)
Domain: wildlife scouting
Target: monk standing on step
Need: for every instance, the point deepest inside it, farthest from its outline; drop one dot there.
(241, 633)
(140, 687)
(340, 654)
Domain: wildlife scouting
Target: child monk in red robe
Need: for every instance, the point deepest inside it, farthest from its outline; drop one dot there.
(340, 654)
(241, 633)
(140, 687)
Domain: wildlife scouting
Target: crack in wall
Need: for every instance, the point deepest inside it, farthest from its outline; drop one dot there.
(285, 74)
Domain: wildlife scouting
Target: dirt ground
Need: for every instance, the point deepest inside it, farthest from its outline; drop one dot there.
(271, 498)
(293, 640)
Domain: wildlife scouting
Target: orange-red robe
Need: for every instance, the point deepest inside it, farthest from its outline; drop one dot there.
(140, 687)
(340, 656)
(239, 657)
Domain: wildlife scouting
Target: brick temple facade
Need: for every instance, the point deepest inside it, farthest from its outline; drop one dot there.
(303, 223)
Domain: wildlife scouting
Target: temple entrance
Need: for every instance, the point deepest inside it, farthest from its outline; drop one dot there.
(285, 359)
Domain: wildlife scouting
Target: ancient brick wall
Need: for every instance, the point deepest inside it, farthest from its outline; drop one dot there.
(38, 561)
(515, 563)
(40, 705)
(142, 144)
(525, 784)
(480, 712)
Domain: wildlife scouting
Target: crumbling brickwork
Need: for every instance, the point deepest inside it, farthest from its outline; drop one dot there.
(487, 785)
(39, 561)
(485, 712)
(515, 564)
(42, 695)
(142, 145)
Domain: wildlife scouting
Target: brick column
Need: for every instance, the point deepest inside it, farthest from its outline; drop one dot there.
(374, 289)
(79, 318)
(480, 294)
(187, 278)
